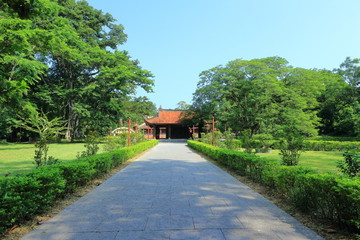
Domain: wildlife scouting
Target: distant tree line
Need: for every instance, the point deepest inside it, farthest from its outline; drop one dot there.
(268, 96)
(60, 57)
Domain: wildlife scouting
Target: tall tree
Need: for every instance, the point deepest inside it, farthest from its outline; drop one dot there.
(253, 88)
(137, 108)
(20, 41)
(262, 96)
(208, 99)
(340, 109)
(65, 53)
(182, 105)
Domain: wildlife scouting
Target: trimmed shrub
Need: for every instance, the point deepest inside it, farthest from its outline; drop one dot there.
(28, 194)
(76, 173)
(331, 197)
(22, 196)
(312, 145)
(348, 202)
(327, 196)
(309, 145)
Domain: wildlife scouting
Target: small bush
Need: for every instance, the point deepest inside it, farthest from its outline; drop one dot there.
(229, 140)
(290, 149)
(350, 165)
(91, 145)
(212, 138)
(113, 143)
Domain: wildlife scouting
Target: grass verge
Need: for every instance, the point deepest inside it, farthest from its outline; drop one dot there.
(318, 160)
(59, 205)
(19, 157)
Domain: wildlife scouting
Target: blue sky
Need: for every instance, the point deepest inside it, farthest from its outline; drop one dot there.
(178, 39)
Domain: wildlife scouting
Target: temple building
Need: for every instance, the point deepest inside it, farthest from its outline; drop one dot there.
(168, 125)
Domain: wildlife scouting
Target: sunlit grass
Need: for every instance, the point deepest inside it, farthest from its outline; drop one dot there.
(319, 160)
(17, 158)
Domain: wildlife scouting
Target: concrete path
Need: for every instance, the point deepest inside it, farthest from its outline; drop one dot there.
(172, 193)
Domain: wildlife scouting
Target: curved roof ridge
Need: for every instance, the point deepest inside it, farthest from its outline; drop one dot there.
(166, 116)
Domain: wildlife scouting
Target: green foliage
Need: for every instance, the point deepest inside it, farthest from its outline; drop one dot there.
(212, 138)
(46, 129)
(91, 145)
(137, 107)
(15, 158)
(24, 195)
(75, 173)
(41, 151)
(350, 165)
(230, 140)
(330, 197)
(62, 57)
(325, 196)
(121, 140)
(246, 141)
(262, 96)
(332, 138)
(137, 137)
(340, 102)
(182, 105)
(115, 142)
(245, 164)
(262, 143)
(308, 145)
(313, 145)
(290, 149)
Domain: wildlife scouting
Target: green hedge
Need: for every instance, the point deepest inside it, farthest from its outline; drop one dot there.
(330, 138)
(22, 196)
(309, 145)
(332, 197)
(313, 145)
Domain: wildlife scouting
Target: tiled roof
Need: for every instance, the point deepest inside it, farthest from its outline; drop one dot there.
(144, 126)
(166, 117)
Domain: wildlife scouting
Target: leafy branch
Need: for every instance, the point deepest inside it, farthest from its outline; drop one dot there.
(45, 128)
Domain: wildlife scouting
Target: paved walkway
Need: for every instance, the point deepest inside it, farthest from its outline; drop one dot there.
(172, 193)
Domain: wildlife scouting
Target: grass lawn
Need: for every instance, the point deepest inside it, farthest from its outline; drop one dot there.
(16, 158)
(319, 160)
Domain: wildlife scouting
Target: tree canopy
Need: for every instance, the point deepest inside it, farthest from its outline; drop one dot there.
(61, 57)
(268, 96)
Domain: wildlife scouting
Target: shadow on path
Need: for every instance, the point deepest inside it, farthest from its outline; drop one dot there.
(172, 193)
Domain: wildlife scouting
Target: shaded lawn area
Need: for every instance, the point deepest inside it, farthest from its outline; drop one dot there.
(319, 160)
(18, 157)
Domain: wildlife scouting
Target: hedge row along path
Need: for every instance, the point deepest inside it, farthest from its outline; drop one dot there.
(171, 192)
